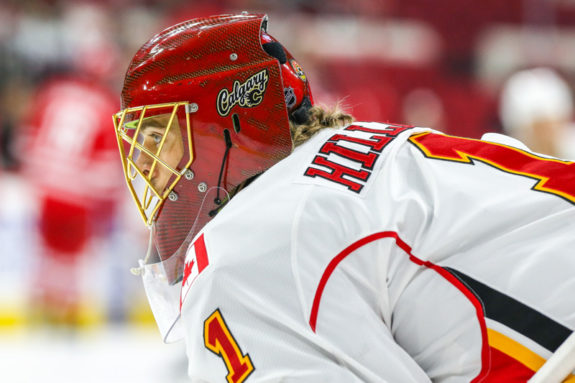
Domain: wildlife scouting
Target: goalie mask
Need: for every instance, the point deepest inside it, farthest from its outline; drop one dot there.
(206, 107)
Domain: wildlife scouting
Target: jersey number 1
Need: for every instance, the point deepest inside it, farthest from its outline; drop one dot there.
(219, 340)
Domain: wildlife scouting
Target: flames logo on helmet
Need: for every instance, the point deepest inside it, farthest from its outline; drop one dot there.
(247, 94)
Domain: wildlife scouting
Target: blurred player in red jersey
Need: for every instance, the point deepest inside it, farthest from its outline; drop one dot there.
(77, 198)
(289, 243)
(69, 160)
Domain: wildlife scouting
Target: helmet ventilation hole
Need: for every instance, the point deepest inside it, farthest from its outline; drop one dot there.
(275, 49)
(236, 121)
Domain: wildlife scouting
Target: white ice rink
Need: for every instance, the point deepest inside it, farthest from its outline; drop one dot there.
(110, 355)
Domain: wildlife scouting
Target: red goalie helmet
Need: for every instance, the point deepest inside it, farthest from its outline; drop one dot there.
(206, 106)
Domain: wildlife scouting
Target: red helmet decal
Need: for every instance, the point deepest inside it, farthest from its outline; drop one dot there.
(298, 70)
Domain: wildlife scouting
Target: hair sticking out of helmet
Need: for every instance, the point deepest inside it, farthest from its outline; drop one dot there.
(221, 91)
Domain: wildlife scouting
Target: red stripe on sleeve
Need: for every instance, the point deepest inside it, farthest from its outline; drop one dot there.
(485, 354)
(340, 257)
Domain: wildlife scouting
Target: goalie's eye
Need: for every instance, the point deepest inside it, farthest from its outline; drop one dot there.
(157, 138)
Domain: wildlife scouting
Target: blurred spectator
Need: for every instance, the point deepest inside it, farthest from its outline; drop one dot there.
(14, 96)
(423, 107)
(536, 107)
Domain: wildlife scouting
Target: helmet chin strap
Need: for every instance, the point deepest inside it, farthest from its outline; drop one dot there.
(228, 141)
(220, 204)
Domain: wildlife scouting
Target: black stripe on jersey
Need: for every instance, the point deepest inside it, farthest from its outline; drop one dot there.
(516, 315)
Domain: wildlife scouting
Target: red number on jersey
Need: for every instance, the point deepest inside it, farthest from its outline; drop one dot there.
(553, 176)
(219, 340)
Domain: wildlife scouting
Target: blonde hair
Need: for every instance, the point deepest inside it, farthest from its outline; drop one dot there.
(319, 118)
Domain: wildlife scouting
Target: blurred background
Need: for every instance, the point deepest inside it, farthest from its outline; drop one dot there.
(69, 308)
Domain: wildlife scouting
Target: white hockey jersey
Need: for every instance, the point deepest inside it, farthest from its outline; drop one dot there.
(383, 253)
